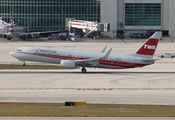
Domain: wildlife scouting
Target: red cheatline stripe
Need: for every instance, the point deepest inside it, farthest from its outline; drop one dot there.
(103, 62)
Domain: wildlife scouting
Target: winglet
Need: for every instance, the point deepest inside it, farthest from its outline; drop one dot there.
(103, 50)
(107, 54)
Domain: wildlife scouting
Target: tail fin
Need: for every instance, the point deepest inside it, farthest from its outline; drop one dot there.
(149, 47)
(11, 20)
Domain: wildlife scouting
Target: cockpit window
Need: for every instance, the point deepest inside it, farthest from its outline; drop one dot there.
(19, 49)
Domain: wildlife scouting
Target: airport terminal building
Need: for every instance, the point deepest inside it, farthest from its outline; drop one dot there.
(124, 16)
(48, 14)
(139, 15)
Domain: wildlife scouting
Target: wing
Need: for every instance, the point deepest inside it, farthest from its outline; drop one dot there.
(92, 61)
(31, 33)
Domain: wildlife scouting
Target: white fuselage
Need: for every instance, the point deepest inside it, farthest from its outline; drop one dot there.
(54, 55)
(16, 31)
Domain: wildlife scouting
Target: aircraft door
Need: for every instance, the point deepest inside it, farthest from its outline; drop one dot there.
(132, 61)
(31, 52)
(74, 57)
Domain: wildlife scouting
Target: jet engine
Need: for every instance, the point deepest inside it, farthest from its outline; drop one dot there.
(30, 36)
(68, 64)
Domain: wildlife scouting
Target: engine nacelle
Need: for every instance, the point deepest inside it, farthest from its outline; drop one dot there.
(30, 36)
(67, 64)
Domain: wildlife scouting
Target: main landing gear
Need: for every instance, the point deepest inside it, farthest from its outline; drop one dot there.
(83, 70)
(24, 64)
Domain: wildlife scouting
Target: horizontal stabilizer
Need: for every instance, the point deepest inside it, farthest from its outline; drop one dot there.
(150, 60)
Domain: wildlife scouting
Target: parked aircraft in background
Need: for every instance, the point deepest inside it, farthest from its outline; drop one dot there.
(4, 30)
(72, 58)
(5, 27)
(19, 32)
(2, 24)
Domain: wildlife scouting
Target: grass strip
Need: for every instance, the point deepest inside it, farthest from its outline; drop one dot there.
(91, 110)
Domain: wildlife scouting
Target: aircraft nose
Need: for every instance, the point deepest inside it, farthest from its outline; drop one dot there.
(11, 53)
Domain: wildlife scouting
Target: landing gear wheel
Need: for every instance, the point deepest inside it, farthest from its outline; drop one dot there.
(8, 38)
(83, 70)
(24, 64)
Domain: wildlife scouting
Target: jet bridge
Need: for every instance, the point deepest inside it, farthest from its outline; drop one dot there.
(88, 26)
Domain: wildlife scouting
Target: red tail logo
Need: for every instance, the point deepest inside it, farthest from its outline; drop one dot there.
(149, 47)
(152, 47)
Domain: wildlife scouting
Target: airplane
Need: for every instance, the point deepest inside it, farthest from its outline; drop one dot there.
(2, 23)
(2, 29)
(143, 56)
(19, 32)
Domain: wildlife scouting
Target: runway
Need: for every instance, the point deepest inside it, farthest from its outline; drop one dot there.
(97, 86)
(133, 79)
(151, 97)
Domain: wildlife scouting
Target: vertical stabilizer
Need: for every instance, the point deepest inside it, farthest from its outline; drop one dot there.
(11, 20)
(148, 48)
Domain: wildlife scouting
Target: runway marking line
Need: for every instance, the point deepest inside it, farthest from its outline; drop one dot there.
(90, 89)
(140, 102)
